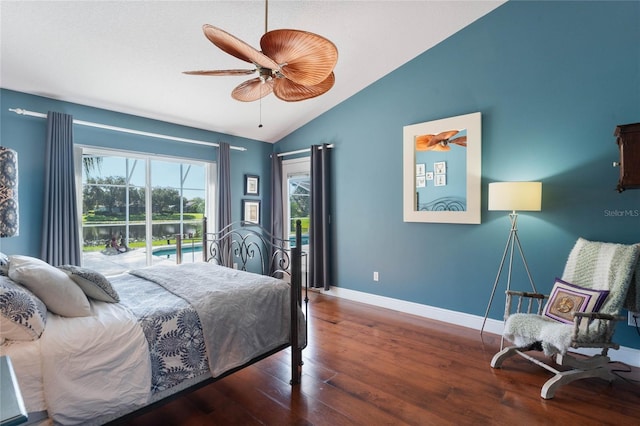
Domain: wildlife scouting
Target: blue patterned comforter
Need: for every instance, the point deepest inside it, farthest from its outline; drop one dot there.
(200, 318)
(172, 328)
(243, 314)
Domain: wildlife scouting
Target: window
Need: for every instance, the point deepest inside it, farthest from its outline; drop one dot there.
(135, 204)
(297, 200)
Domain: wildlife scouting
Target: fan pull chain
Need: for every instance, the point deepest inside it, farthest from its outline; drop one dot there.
(260, 124)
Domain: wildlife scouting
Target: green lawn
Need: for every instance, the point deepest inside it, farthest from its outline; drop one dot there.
(97, 219)
(92, 217)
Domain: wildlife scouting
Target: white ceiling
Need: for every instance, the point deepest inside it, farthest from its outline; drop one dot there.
(128, 56)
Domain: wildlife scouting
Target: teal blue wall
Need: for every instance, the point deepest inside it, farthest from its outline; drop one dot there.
(552, 80)
(27, 136)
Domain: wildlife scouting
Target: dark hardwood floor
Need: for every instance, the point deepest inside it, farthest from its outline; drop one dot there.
(371, 366)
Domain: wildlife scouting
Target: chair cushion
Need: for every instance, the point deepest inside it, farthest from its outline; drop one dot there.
(555, 337)
(567, 298)
(526, 329)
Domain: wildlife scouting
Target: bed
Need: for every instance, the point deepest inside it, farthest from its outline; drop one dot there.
(138, 339)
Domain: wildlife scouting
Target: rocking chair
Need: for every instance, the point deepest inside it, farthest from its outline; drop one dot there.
(580, 312)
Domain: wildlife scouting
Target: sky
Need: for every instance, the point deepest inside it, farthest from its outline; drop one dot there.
(163, 173)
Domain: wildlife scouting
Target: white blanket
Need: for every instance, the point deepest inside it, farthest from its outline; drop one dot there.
(25, 358)
(75, 356)
(90, 370)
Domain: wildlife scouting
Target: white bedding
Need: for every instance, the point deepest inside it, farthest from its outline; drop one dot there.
(91, 370)
(25, 358)
(74, 355)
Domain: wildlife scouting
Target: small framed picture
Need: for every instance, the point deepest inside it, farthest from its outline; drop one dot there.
(429, 176)
(251, 211)
(440, 167)
(420, 182)
(420, 169)
(251, 185)
(441, 180)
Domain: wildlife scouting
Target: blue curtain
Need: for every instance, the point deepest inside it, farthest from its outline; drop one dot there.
(224, 198)
(277, 226)
(320, 226)
(61, 227)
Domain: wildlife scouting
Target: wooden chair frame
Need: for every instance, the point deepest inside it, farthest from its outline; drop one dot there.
(581, 368)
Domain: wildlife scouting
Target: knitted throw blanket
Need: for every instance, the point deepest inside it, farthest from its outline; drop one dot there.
(603, 266)
(596, 265)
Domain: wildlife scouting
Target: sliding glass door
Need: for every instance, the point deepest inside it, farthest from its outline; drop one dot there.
(297, 200)
(133, 205)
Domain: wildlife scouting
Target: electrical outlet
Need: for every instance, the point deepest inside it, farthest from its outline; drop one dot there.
(376, 276)
(634, 319)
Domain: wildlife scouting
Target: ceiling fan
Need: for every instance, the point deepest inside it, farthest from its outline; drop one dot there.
(440, 142)
(295, 65)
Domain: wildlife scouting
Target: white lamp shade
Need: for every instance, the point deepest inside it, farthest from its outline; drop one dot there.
(522, 196)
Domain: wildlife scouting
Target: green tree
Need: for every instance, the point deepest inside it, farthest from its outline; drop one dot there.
(109, 194)
(195, 205)
(91, 163)
(165, 200)
(114, 194)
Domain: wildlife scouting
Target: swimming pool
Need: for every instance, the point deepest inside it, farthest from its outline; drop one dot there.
(171, 251)
(304, 238)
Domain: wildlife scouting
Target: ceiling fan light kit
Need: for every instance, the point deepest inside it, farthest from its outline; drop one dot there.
(294, 65)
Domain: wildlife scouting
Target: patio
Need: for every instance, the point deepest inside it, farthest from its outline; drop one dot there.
(119, 263)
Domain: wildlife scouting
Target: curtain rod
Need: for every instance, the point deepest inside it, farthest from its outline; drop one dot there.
(21, 111)
(300, 151)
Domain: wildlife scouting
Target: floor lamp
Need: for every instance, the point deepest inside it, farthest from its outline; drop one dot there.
(513, 196)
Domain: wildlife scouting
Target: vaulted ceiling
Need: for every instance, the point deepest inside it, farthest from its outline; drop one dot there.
(128, 56)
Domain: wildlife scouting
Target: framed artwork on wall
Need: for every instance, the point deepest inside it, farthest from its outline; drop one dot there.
(251, 185)
(440, 180)
(251, 211)
(440, 167)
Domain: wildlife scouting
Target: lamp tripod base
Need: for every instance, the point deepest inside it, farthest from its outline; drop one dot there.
(512, 242)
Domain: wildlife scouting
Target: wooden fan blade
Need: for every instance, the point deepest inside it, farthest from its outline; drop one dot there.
(252, 90)
(290, 91)
(424, 142)
(446, 135)
(305, 58)
(238, 48)
(462, 141)
(220, 72)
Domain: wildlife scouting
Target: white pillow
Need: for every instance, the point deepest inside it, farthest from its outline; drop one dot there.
(53, 286)
(93, 283)
(23, 315)
(4, 264)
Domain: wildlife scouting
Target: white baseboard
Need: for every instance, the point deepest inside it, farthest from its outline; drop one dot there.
(626, 355)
